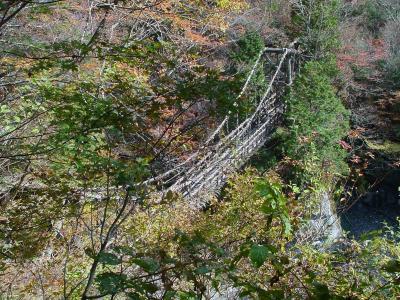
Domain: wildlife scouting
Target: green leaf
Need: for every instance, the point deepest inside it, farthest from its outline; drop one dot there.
(392, 266)
(321, 292)
(141, 287)
(187, 296)
(111, 283)
(89, 252)
(4, 109)
(263, 188)
(133, 296)
(268, 207)
(109, 259)
(270, 294)
(124, 250)
(147, 264)
(285, 260)
(169, 295)
(370, 235)
(203, 270)
(258, 255)
(170, 196)
(149, 287)
(286, 225)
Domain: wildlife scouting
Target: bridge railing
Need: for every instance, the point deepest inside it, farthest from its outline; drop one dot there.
(206, 170)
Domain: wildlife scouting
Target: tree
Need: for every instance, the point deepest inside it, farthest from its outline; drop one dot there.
(317, 23)
(317, 118)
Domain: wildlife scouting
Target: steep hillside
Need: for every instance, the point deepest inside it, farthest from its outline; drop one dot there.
(100, 99)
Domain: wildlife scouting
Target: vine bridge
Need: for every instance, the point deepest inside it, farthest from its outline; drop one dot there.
(225, 151)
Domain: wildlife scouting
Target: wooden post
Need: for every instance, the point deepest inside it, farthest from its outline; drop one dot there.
(289, 71)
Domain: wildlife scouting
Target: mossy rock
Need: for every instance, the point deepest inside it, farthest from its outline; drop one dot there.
(387, 147)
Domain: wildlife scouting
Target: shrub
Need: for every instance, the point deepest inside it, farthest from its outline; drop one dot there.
(249, 46)
(319, 21)
(392, 38)
(317, 118)
(375, 15)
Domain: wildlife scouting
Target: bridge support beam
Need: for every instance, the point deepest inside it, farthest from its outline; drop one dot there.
(289, 70)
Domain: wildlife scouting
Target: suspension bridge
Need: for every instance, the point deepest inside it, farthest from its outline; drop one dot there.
(225, 151)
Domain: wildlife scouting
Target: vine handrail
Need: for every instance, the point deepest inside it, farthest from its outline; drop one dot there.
(207, 169)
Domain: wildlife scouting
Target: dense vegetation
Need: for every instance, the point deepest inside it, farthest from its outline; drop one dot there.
(96, 97)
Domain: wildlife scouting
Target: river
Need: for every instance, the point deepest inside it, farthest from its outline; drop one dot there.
(371, 211)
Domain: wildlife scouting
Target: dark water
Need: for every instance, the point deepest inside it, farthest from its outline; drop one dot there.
(372, 211)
